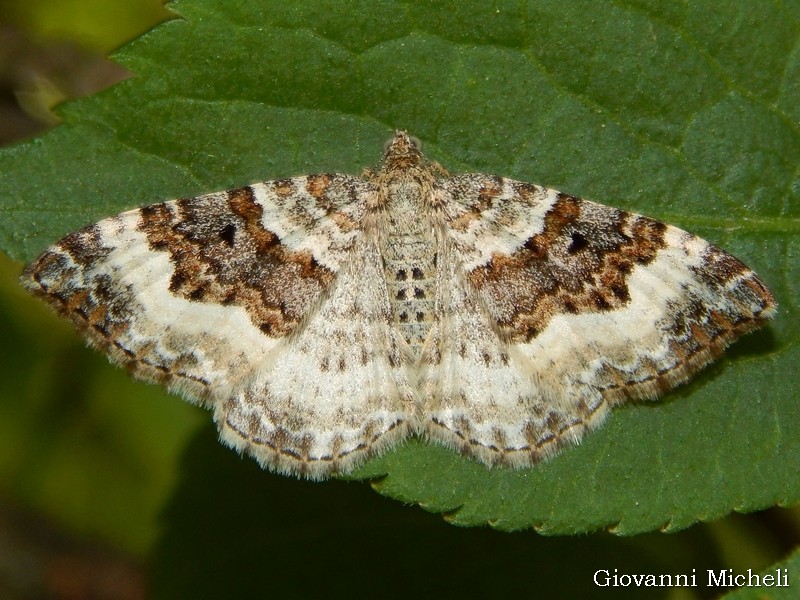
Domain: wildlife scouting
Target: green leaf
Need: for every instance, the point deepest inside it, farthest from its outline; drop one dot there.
(682, 112)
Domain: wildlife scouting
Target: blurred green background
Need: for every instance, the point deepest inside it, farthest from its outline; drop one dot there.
(96, 471)
(79, 495)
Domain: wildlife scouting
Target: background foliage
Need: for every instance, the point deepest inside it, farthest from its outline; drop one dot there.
(687, 113)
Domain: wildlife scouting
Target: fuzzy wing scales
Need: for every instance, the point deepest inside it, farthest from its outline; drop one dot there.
(212, 295)
(585, 306)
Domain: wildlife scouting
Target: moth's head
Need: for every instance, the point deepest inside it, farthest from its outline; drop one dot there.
(402, 151)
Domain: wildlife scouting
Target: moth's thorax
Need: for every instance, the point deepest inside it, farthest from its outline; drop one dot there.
(409, 254)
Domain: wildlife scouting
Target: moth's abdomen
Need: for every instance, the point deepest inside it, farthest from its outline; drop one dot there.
(410, 283)
(410, 266)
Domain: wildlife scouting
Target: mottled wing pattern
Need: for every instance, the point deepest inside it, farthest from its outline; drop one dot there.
(325, 318)
(223, 298)
(560, 308)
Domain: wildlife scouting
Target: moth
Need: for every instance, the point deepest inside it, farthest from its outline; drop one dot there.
(326, 318)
